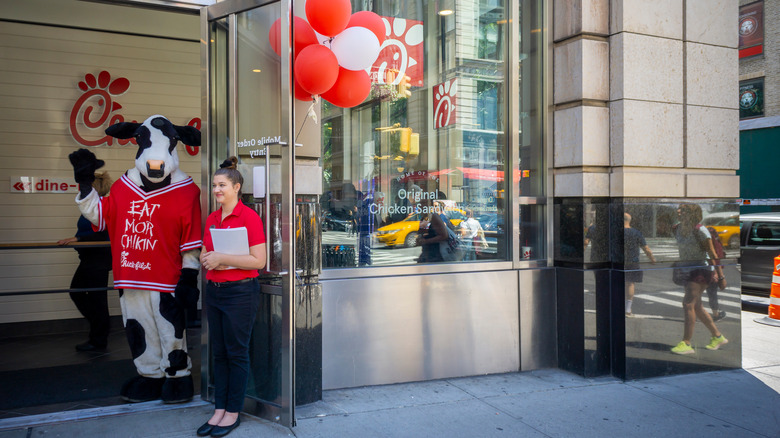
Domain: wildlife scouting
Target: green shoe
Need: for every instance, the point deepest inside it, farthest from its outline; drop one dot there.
(683, 348)
(716, 342)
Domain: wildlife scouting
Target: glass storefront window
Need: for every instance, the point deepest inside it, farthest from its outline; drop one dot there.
(395, 160)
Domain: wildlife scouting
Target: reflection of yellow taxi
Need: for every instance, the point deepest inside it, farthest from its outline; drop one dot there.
(728, 231)
(404, 233)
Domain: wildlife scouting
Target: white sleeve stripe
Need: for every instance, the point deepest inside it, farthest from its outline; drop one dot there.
(191, 245)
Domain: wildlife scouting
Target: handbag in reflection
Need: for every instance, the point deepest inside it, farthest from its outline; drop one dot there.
(453, 248)
(679, 274)
(684, 272)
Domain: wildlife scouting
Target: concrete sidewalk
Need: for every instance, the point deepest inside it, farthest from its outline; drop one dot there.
(545, 403)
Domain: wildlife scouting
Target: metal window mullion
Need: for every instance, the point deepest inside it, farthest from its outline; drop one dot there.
(513, 125)
(287, 151)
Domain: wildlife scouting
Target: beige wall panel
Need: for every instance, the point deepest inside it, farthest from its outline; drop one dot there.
(645, 68)
(712, 138)
(712, 22)
(662, 18)
(40, 69)
(94, 15)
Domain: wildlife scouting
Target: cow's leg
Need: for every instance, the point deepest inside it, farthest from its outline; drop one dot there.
(174, 361)
(138, 310)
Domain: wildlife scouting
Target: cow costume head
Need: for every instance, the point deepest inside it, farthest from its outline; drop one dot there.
(156, 159)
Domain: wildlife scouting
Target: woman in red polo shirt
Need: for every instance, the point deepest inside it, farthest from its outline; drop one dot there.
(232, 298)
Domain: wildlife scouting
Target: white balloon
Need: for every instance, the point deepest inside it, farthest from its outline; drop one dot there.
(356, 48)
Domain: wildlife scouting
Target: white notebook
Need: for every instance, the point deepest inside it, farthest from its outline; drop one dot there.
(232, 241)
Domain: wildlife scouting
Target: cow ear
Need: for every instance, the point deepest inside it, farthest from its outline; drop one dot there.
(188, 135)
(122, 129)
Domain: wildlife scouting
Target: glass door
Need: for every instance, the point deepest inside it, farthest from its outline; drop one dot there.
(248, 115)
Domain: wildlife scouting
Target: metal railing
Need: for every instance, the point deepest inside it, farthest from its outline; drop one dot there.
(49, 245)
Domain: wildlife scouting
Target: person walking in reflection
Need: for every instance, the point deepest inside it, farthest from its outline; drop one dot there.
(696, 250)
(633, 241)
(92, 273)
(472, 233)
(432, 232)
(232, 298)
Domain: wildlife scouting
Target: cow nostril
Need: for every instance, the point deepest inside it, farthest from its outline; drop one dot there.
(155, 168)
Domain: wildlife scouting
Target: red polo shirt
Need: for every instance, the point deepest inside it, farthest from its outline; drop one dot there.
(242, 216)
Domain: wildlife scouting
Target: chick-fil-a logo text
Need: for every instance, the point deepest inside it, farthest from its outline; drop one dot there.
(96, 106)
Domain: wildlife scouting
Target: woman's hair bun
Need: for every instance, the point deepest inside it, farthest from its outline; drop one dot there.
(230, 163)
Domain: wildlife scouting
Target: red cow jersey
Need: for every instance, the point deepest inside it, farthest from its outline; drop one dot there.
(149, 231)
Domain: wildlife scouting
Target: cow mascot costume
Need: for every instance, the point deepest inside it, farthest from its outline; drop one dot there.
(153, 219)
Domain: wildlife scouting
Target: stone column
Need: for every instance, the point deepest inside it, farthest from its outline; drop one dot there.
(645, 117)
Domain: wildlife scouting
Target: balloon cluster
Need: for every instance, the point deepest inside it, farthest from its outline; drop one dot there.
(333, 51)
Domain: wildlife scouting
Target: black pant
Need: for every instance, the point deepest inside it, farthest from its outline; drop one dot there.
(712, 295)
(93, 305)
(231, 314)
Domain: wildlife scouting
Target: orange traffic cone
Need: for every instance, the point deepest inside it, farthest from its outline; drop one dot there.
(774, 299)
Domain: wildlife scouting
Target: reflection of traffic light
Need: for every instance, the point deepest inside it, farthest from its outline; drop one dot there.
(404, 87)
(390, 75)
(414, 146)
(406, 140)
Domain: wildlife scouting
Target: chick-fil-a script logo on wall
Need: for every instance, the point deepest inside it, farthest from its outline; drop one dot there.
(96, 109)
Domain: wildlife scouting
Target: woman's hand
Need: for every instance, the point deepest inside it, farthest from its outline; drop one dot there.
(210, 260)
(722, 283)
(67, 241)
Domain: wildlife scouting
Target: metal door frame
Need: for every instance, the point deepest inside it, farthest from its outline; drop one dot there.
(284, 413)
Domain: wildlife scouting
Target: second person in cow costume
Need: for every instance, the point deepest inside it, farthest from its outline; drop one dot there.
(153, 218)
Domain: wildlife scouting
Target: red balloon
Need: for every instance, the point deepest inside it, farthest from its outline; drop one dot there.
(328, 17)
(370, 21)
(304, 35)
(351, 88)
(300, 93)
(316, 69)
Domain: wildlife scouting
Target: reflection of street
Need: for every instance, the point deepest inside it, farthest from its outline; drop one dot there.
(381, 255)
(665, 249)
(657, 324)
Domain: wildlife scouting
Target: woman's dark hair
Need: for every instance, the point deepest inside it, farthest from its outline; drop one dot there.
(691, 212)
(228, 169)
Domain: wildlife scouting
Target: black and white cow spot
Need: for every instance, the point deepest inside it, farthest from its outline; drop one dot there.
(178, 361)
(136, 337)
(172, 311)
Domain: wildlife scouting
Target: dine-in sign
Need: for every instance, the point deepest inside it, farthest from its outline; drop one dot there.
(42, 184)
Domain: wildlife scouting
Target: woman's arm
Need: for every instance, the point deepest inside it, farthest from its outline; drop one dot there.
(716, 263)
(254, 260)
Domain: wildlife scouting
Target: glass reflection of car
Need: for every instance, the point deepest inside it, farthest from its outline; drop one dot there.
(727, 228)
(333, 223)
(404, 233)
(760, 239)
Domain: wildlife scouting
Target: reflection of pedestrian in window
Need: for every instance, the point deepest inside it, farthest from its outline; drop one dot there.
(697, 252)
(473, 235)
(92, 273)
(633, 240)
(365, 223)
(432, 232)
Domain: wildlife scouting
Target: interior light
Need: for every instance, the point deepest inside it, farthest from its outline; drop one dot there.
(445, 12)
(256, 70)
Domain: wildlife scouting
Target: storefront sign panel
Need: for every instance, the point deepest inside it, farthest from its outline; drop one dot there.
(42, 184)
(751, 29)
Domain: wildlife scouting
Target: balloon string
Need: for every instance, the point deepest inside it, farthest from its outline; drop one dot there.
(309, 113)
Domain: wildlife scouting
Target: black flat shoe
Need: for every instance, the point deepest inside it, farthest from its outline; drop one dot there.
(222, 431)
(206, 429)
